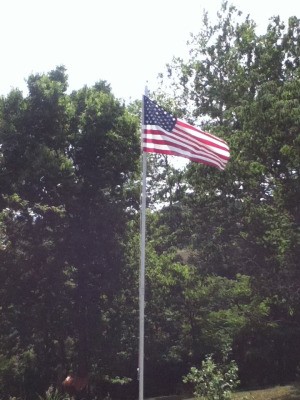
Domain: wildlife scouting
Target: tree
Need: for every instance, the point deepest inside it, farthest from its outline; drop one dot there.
(244, 87)
(65, 162)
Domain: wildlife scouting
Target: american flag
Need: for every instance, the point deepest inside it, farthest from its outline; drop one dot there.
(165, 134)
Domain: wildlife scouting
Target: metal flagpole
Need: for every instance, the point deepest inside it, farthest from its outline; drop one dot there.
(142, 263)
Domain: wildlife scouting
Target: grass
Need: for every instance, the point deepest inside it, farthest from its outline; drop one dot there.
(289, 392)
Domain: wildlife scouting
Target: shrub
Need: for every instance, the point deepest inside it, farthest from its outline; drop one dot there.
(213, 381)
(53, 394)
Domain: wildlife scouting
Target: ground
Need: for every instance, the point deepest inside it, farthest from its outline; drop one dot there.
(289, 392)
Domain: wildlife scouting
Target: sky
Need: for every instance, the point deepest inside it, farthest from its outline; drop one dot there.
(125, 42)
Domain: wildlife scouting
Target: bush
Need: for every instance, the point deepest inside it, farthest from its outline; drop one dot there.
(53, 394)
(212, 381)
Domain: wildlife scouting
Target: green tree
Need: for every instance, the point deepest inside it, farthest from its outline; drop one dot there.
(66, 161)
(244, 87)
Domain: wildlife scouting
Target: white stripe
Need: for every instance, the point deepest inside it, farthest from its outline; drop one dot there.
(181, 140)
(187, 149)
(197, 143)
(206, 150)
(185, 153)
(202, 135)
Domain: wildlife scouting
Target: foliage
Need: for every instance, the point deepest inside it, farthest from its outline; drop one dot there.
(212, 381)
(243, 87)
(53, 394)
(65, 162)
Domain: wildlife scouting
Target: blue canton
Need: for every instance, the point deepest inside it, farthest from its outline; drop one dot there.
(155, 115)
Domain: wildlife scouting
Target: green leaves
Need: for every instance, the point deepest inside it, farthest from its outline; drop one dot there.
(64, 160)
(245, 221)
(213, 381)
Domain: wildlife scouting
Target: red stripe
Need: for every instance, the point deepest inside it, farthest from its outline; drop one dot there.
(188, 126)
(198, 153)
(173, 153)
(196, 146)
(185, 137)
(202, 140)
(190, 154)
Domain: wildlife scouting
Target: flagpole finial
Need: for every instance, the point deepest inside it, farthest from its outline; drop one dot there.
(146, 92)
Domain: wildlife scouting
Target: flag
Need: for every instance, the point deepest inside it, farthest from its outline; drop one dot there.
(165, 134)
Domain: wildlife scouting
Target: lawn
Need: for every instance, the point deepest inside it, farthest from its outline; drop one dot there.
(289, 392)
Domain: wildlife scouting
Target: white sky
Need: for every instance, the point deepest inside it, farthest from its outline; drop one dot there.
(126, 42)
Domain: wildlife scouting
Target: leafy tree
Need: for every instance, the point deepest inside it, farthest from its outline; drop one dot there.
(189, 316)
(244, 87)
(65, 162)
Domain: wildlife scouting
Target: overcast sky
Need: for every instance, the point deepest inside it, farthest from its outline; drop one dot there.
(125, 42)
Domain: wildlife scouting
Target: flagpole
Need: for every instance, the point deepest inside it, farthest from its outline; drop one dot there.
(200, 147)
(142, 264)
